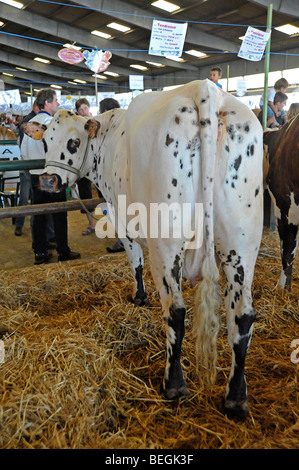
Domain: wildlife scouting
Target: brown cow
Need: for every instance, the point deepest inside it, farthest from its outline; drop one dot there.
(7, 134)
(281, 150)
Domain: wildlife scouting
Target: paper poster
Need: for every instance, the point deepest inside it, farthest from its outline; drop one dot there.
(10, 97)
(253, 45)
(136, 82)
(167, 39)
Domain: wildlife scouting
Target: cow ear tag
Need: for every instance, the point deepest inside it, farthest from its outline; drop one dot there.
(37, 135)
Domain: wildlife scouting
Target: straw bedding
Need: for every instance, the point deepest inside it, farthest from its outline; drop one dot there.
(83, 366)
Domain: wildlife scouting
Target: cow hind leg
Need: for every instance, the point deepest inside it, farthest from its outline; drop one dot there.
(135, 255)
(240, 317)
(167, 273)
(288, 234)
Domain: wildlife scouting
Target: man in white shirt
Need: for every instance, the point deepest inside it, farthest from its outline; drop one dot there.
(34, 149)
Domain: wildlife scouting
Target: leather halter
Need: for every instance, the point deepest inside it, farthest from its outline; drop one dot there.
(70, 168)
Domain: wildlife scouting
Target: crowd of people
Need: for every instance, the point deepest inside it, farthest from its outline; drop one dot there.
(50, 231)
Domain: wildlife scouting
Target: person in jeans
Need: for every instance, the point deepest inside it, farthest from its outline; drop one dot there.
(25, 189)
(34, 149)
(105, 105)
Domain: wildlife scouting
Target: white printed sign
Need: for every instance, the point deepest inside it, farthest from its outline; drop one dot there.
(167, 39)
(253, 45)
(136, 82)
(10, 97)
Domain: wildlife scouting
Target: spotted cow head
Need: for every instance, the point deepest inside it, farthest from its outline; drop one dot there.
(66, 145)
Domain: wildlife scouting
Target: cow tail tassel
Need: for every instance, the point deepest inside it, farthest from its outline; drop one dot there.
(207, 298)
(206, 321)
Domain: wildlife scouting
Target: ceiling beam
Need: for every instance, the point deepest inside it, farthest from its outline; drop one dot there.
(44, 50)
(46, 69)
(23, 80)
(71, 34)
(287, 7)
(144, 19)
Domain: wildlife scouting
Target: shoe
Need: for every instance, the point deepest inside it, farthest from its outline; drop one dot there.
(41, 258)
(88, 231)
(18, 231)
(68, 256)
(116, 248)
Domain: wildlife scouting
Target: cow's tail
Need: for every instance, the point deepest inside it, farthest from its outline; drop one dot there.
(207, 299)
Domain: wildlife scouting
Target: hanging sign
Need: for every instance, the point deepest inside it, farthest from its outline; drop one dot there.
(97, 61)
(70, 55)
(136, 82)
(253, 45)
(167, 39)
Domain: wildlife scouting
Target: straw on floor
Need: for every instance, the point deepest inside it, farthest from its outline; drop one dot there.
(83, 367)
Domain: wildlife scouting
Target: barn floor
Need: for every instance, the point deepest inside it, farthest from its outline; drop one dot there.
(17, 252)
(83, 366)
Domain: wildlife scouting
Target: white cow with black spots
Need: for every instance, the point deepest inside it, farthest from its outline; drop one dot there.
(194, 144)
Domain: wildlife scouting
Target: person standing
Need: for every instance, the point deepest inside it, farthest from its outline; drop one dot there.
(106, 105)
(281, 86)
(215, 75)
(46, 100)
(25, 179)
(84, 184)
(276, 117)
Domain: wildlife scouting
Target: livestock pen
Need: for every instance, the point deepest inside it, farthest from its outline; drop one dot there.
(82, 367)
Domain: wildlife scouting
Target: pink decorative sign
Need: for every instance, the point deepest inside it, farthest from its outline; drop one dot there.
(70, 55)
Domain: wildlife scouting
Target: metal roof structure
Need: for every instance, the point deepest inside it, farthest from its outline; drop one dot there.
(42, 27)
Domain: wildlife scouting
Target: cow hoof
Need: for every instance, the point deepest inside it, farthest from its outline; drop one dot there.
(234, 409)
(140, 302)
(175, 393)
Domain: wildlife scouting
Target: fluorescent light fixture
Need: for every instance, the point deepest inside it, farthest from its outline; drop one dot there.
(40, 59)
(79, 81)
(12, 3)
(196, 53)
(167, 6)
(7, 74)
(56, 86)
(119, 27)
(21, 68)
(139, 67)
(72, 83)
(288, 29)
(36, 89)
(1, 23)
(175, 58)
(101, 77)
(155, 64)
(112, 74)
(101, 34)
